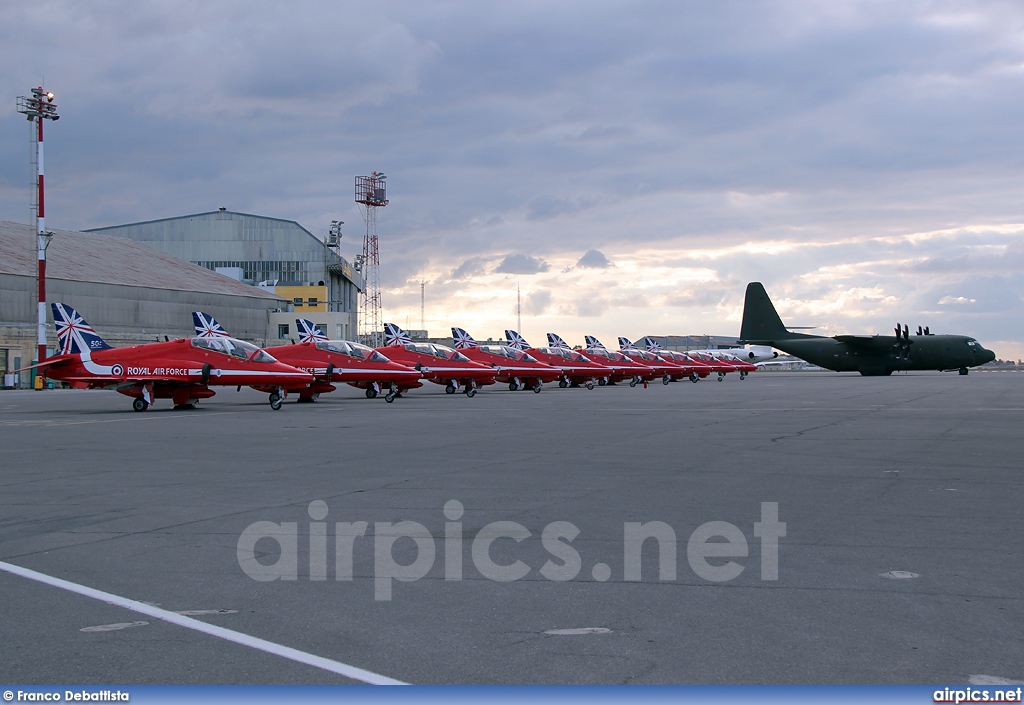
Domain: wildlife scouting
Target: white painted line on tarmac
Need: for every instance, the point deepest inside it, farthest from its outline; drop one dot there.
(114, 627)
(357, 674)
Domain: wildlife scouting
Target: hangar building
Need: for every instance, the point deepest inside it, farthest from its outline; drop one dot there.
(276, 254)
(128, 292)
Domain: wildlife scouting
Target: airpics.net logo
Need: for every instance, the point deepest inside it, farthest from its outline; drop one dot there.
(713, 550)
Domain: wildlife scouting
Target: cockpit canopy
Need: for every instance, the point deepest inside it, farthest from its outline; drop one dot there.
(570, 355)
(439, 351)
(354, 350)
(235, 348)
(506, 351)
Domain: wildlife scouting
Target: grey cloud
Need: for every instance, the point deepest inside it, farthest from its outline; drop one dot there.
(522, 264)
(470, 268)
(594, 259)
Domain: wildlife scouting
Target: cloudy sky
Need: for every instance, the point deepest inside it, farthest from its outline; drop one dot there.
(630, 166)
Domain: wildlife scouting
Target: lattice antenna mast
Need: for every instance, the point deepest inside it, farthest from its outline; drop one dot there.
(371, 193)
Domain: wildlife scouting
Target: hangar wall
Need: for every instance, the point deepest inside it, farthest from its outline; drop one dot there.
(128, 292)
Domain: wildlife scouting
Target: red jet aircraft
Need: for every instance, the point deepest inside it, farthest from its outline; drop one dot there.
(697, 369)
(622, 366)
(669, 370)
(518, 369)
(576, 368)
(330, 361)
(437, 363)
(720, 366)
(180, 370)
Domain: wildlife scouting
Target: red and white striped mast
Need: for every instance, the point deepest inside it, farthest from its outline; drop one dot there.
(38, 108)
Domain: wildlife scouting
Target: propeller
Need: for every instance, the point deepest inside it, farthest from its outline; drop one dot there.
(902, 341)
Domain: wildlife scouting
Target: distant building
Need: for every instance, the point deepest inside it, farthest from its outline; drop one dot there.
(128, 292)
(277, 255)
(682, 343)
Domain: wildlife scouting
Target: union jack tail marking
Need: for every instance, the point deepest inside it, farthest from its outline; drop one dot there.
(308, 332)
(650, 344)
(73, 333)
(207, 326)
(516, 341)
(556, 342)
(593, 342)
(463, 339)
(395, 335)
(626, 346)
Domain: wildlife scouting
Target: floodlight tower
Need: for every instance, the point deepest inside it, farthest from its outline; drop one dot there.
(371, 193)
(38, 108)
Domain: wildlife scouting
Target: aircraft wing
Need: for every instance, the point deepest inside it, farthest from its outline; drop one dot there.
(870, 342)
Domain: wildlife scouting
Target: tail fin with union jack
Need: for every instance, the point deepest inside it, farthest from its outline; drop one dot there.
(463, 339)
(207, 327)
(516, 341)
(555, 341)
(73, 333)
(394, 335)
(308, 332)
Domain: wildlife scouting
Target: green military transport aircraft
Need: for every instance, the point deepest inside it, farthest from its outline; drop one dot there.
(871, 355)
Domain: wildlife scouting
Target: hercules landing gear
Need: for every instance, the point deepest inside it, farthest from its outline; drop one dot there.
(140, 404)
(964, 370)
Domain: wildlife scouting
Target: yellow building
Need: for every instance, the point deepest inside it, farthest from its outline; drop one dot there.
(306, 299)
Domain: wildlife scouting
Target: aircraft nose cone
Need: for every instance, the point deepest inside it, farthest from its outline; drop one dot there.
(987, 356)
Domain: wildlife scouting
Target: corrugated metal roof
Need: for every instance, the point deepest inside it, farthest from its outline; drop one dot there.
(92, 257)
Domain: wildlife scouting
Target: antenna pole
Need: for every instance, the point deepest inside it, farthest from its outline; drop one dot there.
(519, 311)
(371, 192)
(38, 108)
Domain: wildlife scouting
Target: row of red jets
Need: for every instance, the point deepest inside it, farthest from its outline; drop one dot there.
(184, 370)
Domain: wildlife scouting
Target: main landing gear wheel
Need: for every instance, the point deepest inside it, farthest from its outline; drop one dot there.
(140, 404)
(512, 386)
(276, 401)
(537, 388)
(632, 382)
(470, 392)
(601, 382)
(562, 383)
(449, 388)
(666, 379)
(590, 384)
(371, 393)
(389, 397)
